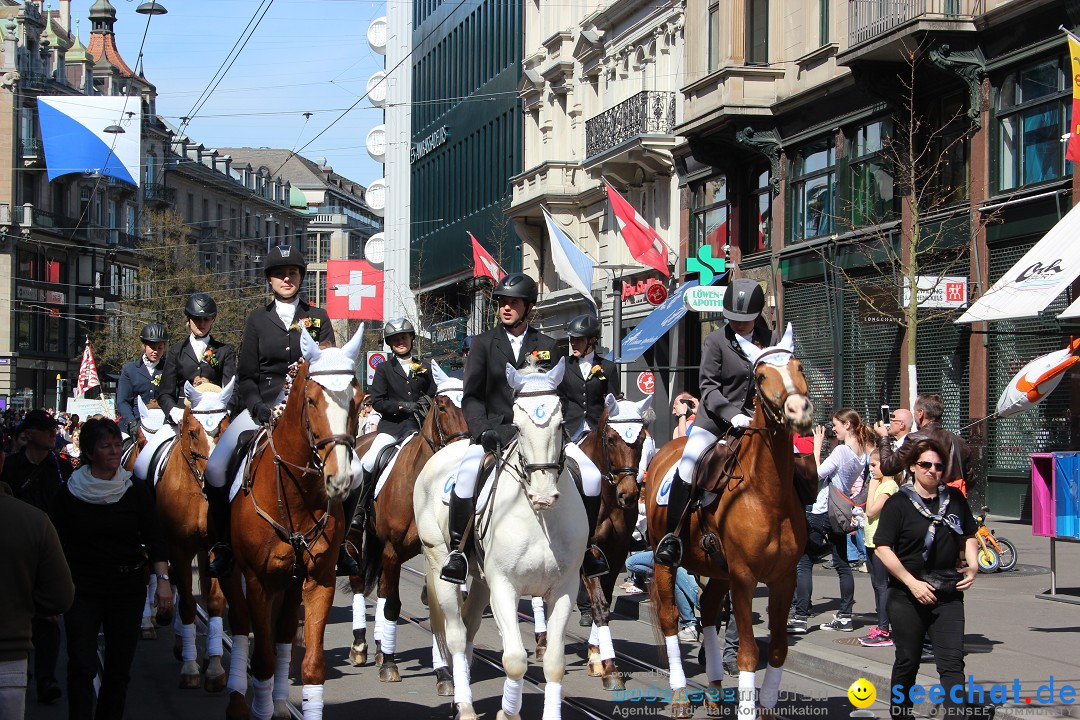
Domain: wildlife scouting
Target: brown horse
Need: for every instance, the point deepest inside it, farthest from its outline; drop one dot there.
(755, 529)
(389, 538)
(287, 528)
(182, 512)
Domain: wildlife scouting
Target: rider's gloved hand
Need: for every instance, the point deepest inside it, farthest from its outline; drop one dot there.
(262, 413)
(741, 421)
(490, 441)
(407, 407)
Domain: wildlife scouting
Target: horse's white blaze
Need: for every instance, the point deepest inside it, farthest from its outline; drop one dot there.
(541, 485)
(337, 416)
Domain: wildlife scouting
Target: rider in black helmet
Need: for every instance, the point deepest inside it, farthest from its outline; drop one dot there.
(727, 403)
(141, 377)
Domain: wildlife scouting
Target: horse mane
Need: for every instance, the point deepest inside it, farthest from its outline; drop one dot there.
(203, 385)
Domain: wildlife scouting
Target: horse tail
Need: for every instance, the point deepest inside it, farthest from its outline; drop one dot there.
(658, 629)
(437, 620)
(371, 552)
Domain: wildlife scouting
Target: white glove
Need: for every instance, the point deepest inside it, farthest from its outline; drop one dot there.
(177, 414)
(741, 421)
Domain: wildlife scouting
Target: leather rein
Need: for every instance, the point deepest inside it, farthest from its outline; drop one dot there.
(444, 439)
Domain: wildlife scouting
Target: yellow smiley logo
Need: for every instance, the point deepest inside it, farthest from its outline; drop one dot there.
(862, 693)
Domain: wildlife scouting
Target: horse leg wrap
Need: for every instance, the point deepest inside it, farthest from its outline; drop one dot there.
(770, 686)
(714, 654)
(552, 700)
(312, 703)
(539, 617)
(462, 689)
(676, 675)
(359, 612)
(281, 670)
(187, 640)
(151, 591)
(747, 690)
(594, 635)
(389, 637)
(437, 659)
(511, 700)
(380, 605)
(262, 703)
(607, 648)
(238, 665)
(214, 634)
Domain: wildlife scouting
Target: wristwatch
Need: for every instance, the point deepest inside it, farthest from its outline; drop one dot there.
(163, 576)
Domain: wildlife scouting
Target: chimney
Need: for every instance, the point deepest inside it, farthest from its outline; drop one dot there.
(65, 15)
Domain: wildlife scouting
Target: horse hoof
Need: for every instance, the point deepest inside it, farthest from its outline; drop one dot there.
(237, 708)
(503, 716)
(190, 682)
(216, 683)
(681, 709)
(713, 706)
(147, 630)
(281, 711)
(612, 679)
(423, 596)
(444, 682)
(465, 712)
(541, 646)
(596, 667)
(358, 654)
(388, 672)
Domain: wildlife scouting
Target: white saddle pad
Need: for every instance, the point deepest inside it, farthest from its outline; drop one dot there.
(481, 499)
(663, 495)
(390, 465)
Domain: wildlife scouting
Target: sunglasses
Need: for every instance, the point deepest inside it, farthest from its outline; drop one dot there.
(926, 465)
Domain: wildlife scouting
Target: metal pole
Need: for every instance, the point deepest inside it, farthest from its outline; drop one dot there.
(58, 392)
(616, 318)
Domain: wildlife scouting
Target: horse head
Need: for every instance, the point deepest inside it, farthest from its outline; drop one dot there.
(331, 407)
(451, 387)
(538, 417)
(780, 384)
(622, 428)
(209, 408)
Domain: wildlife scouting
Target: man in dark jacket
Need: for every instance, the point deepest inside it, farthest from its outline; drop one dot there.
(727, 399)
(588, 380)
(960, 460)
(141, 377)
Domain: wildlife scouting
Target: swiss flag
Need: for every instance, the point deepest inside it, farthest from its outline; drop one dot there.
(645, 244)
(483, 264)
(354, 290)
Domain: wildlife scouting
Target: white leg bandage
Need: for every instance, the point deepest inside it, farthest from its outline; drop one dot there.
(238, 665)
(262, 703)
(214, 633)
(607, 648)
(676, 676)
(770, 686)
(380, 604)
(539, 616)
(359, 612)
(714, 654)
(746, 693)
(283, 658)
(437, 659)
(462, 689)
(511, 700)
(187, 643)
(312, 702)
(389, 636)
(553, 701)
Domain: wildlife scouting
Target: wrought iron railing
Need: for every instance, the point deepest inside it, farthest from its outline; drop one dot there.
(31, 147)
(648, 112)
(156, 192)
(868, 19)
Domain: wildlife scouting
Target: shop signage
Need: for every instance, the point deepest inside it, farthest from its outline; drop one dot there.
(705, 265)
(656, 294)
(638, 289)
(28, 293)
(938, 292)
(705, 299)
(646, 382)
(432, 141)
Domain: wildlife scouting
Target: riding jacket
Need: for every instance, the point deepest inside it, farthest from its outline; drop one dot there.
(269, 348)
(217, 364)
(583, 397)
(726, 379)
(488, 399)
(136, 381)
(392, 390)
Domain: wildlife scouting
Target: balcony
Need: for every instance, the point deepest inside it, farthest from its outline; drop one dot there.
(650, 112)
(32, 154)
(158, 194)
(877, 29)
(119, 238)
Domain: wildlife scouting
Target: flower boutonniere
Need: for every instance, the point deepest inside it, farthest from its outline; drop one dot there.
(417, 369)
(156, 380)
(539, 355)
(210, 357)
(312, 325)
(597, 373)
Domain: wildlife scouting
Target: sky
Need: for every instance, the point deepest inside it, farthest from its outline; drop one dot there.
(304, 56)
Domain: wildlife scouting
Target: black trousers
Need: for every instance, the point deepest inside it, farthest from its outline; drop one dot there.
(116, 609)
(911, 621)
(879, 579)
(820, 540)
(46, 637)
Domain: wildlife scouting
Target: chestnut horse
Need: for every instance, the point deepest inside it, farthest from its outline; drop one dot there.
(389, 538)
(758, 522)
(287, 528)
(181, 509)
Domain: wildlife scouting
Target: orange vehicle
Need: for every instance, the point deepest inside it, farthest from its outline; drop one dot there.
(996, 554)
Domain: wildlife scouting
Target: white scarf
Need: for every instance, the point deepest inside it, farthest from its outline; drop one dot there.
(96, 491)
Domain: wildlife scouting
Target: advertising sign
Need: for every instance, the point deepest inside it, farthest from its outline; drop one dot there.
(705, 299)
(646, 382)
(938, 292)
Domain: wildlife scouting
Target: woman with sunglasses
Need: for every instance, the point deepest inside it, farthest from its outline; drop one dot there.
(923, 532)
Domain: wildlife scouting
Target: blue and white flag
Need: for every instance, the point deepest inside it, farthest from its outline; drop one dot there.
(73, 132)
(572, 265)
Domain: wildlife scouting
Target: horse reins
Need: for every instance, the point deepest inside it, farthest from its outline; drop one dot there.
(529, 468)
(191, 457)
(614, 474)
(444, 439)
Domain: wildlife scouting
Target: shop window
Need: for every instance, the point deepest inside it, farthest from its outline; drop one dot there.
(709, 221)
(1031, 116)
(872, 187)
(758, 231)
(813, 190)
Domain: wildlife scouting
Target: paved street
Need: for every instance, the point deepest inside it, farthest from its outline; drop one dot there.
(1010, 635)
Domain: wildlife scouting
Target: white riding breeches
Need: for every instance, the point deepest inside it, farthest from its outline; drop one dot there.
(218, 464)
(590, 474)
(467, 469)
(697, 442)
(142, 462)
(381, 440)
(648, 451)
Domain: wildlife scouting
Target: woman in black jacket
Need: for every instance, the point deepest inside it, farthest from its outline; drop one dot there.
(108, 528)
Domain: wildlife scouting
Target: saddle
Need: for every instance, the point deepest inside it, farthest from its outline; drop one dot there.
(717, 466)
(383, 458)
(240, 452)
(158, 461)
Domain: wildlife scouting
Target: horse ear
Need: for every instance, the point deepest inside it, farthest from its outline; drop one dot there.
(750, 350)
(514, 377)
(438, 375)
(788, 341)
(557, 372)
(191, 393)
(644, 405)
(612, 405)
(309, 349)
(227, 391)
(352, 348)
(143, 410)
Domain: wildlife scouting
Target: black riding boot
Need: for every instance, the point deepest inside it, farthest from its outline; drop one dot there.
(219, 512)
(456, 566)
(669, 549)
(595, 563)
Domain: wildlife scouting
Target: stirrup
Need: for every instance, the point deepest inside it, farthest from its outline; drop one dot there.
(455, 568)
(222, 564)
(594, 564)
(668, 550)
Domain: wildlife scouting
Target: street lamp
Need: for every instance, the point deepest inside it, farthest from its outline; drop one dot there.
(151, 8)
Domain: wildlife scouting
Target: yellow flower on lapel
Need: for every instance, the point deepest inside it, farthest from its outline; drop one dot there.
(156, 380)
(312, 325)
(539, 355)
(596, 373)
(418, 369)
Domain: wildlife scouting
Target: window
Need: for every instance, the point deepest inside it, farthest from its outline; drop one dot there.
(872, 195)
(757, 32)
(710, 208)
(714, 37)
(1032, 115)
(813, 190)
(950, 150)
(823, 22)
(758, 232)
(311, 248)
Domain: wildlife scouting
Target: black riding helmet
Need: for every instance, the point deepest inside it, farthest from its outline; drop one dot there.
(154, 332)
(516, 285)
(284, 256)
(586, 326)
(200, 305)
(744, 300)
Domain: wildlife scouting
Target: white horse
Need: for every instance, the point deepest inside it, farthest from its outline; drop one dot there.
(529, 545)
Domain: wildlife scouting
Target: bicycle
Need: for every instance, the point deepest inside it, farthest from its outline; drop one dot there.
(996, 554)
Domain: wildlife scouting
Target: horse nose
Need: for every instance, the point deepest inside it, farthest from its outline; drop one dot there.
(799, 410)
(543, 502)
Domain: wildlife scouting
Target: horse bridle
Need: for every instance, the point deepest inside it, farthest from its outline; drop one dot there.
(775, 417)
(615, 474)
(529, 468)
(191, 457)
(444, 439)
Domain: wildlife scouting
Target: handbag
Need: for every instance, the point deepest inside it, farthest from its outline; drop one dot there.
(841, 513)
(942, 580)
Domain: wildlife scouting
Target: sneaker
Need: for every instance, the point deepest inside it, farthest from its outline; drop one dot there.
(839, 623)
(688, 633)
(796, 625)
(877, 638)
(634, 590)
